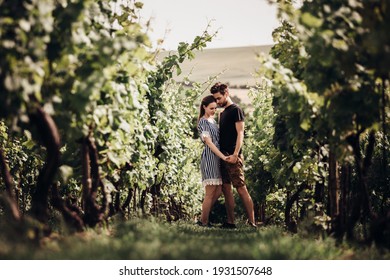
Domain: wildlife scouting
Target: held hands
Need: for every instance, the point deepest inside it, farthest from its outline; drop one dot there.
(231, 158)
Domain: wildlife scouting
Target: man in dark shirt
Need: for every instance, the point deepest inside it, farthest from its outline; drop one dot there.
(231, 133)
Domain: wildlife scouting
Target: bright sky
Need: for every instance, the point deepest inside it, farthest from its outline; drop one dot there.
(239, 23)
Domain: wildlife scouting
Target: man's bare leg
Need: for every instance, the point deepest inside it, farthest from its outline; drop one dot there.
(248, 203)
(229, 202)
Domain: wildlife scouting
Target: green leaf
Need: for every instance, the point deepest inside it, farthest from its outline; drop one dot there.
(182, 48)
(305, 124)
(340, 45)
(310, 20)
(178, 70)
(138, 5)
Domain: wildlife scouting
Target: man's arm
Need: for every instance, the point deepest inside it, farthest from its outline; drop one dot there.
(240, 126)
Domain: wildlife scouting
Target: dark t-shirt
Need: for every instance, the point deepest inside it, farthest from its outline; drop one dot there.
(227, 128)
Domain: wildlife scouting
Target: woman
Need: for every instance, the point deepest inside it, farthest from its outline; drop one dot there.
(210, 161)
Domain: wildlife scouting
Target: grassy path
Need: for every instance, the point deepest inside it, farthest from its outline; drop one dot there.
(147, 240)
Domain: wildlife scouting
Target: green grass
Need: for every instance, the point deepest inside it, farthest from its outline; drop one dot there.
(148, 240)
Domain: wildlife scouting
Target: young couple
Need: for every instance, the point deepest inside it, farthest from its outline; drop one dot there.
(222, 161)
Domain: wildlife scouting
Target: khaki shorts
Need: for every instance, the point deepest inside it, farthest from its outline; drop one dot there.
(233, 173)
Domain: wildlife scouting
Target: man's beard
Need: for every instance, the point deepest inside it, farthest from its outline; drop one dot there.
(223, 104)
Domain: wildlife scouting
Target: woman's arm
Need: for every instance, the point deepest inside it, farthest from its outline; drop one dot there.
(214, 148)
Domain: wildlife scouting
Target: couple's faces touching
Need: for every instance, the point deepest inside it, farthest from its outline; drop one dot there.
(221, 101)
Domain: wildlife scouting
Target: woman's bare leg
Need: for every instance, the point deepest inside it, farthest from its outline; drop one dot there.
(208, 203)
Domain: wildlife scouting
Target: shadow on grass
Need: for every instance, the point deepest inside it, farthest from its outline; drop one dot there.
(142, 239)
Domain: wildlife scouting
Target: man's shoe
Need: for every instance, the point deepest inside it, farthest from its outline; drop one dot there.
(199, 223)
(228, 225)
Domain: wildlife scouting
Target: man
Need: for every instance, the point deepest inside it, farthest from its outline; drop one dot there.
(231, 132)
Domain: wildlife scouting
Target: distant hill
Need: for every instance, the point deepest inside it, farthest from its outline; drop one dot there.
(238, 65)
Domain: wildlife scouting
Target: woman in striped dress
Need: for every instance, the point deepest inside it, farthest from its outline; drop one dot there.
(211, 155)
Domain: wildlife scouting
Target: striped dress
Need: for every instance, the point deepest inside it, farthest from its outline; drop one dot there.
(210, 162)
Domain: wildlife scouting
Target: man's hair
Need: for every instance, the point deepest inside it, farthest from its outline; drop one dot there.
(218, 87)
